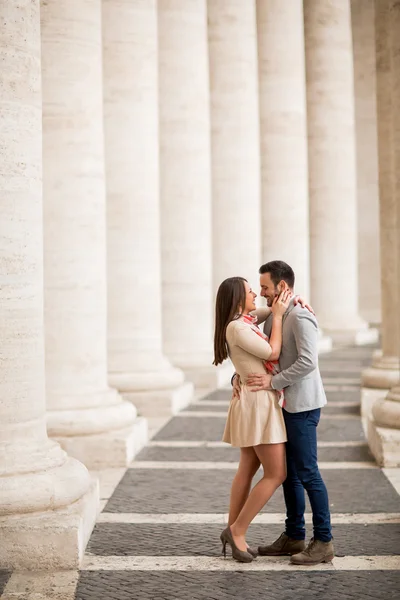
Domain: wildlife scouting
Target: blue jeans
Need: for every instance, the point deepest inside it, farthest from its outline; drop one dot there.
(303, 474)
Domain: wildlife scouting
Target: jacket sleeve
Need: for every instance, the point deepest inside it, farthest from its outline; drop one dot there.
(248, 340)
(305, 329)
(262, 314)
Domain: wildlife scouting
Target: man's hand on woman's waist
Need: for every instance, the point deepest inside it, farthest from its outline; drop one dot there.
(258, 382)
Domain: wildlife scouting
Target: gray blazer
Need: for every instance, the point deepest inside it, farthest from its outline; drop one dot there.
(299, 377)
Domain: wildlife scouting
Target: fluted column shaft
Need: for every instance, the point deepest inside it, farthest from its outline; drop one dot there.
(185, 183)
(332, 169)
(384, 423)
(81, 405)
(37, 478)
(363, 29)
(235, 139)
(389, 218)
(285, 211)
(384, 372)
(136, 361)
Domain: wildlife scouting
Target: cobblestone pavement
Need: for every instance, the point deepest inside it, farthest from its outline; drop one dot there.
(158, 535)
(4, 577)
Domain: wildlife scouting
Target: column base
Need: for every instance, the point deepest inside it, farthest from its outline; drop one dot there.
(384, 444)
(368, 397)
(88, 413)
(324, 344)
(146, 380)
(115, 448)
(51, 540)
(210, 377)
(377, 378)
(372, 316)
(161, 403)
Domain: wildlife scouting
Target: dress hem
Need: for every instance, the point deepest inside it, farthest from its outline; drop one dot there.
(256, 444)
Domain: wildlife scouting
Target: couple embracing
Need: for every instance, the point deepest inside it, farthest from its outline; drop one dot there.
(274, 412)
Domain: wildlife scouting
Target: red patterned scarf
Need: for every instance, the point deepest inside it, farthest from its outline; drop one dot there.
(271, 366)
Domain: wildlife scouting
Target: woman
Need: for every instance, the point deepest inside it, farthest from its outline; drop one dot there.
(255, 421)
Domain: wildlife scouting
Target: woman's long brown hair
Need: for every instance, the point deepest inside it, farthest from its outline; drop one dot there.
(230, 296)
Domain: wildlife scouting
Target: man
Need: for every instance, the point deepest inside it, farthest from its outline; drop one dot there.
(301, 382)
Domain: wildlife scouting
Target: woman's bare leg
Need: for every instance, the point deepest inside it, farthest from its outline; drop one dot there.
(273, 460)
(248, 467)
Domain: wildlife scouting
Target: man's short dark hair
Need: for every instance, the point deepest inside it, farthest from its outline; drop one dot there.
(278, 271)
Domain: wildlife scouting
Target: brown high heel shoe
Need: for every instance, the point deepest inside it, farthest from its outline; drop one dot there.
(239, 555)
(253, 552)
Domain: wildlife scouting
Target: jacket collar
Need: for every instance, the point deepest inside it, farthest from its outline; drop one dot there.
(289, 309)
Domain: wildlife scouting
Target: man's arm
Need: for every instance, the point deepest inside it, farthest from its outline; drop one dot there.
(305, 331)
(262, 314)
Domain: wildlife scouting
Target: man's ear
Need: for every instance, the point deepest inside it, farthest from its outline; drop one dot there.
(282, 286)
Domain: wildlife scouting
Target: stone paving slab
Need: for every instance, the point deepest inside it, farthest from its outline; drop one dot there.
(201, 407)
(128, 539)
(207, 491)
(228, 454)
(341, 365)
(329, 409)
(340, 374)
(194, 585)
(344, 359)
(344, 384)
(344, 370)
(337, 396)
(212, 428)
(352, 352)
(218, 395)
(179, 491)
(4, 577)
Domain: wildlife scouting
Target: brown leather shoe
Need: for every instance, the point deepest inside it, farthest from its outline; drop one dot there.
(283, 546)
(315, 553)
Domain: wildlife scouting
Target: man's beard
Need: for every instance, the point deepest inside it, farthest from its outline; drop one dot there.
(271, 299)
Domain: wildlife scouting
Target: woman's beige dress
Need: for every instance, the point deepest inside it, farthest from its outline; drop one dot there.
(255, 417)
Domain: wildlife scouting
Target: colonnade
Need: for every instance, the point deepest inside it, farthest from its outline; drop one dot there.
(381, 391)
(151, 149)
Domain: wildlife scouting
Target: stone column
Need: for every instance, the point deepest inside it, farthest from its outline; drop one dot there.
(384, 423)
(283, 124)
(332, 170)
(48, 504)
(137, 365)
(186, 189)
(363, 28)
(232, 35)
(285, 229)
(384, 372)
(88, 418)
